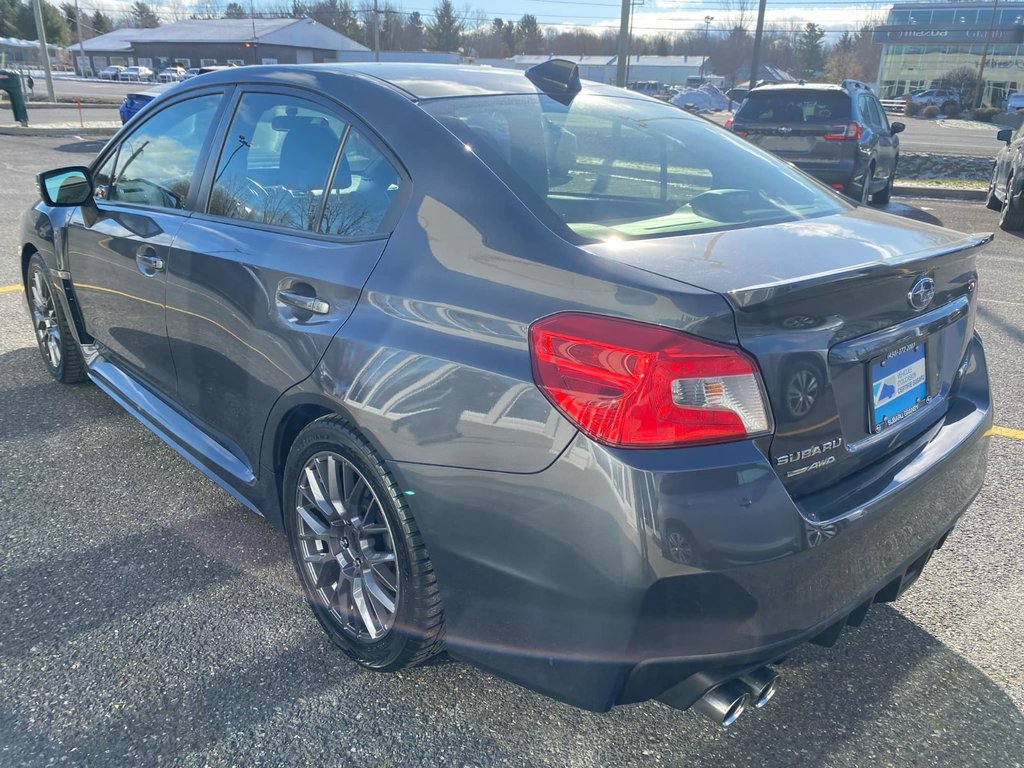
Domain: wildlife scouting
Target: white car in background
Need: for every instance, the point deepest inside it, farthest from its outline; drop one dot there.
(113, 72)
(171, 75)
(136, 75)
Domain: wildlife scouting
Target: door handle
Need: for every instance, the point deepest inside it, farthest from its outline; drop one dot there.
(308, 303)
(148, 261)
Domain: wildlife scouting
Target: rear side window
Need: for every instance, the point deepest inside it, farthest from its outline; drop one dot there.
(611, 167)
(795, 106)
(276, 161)
(364, 186)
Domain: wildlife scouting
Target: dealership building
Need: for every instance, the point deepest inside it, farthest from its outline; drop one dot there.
(207, 42)
(921, 42)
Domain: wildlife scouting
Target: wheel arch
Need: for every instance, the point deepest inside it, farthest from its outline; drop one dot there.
(292, 413)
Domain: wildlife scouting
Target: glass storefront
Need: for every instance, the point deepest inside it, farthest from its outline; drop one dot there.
(924, 41)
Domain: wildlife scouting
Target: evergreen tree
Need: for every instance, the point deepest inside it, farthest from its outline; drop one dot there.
(101, 23)
(810, 50)
(143, 16)
(444, 33)
(235, 11)
(529, 34)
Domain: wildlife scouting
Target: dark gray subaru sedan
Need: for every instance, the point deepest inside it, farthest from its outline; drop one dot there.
(581, 388)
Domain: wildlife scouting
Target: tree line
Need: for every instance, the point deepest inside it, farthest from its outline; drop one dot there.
(800, 49)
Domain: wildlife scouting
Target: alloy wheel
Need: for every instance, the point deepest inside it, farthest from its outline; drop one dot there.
(347, 547)
(44, 318)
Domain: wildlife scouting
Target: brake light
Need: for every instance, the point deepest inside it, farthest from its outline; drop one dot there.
(737, 129)
(843, 131)
(632, 384)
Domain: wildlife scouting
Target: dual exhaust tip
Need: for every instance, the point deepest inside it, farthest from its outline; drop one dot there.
(726, 702)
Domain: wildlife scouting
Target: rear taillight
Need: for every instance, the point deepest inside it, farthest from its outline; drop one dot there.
(843, 131)
(632, 384)
(737, 129)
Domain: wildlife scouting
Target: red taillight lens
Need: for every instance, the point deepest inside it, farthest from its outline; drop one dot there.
(632, 384)
(737, 129)
(845, 131)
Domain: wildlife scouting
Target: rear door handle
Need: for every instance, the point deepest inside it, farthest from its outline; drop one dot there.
(308, 303)
(149, 263)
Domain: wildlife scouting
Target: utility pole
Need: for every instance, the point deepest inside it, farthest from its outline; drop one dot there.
(44, 50)
(376, 32)
(979, 89)
(255, 41)
(704, 55)
(623, 58)
(758, 34)
(81, 48)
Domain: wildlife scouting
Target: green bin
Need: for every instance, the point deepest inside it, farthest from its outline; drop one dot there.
(10, 82)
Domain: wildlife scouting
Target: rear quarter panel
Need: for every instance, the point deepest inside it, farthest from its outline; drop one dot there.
(433, 364)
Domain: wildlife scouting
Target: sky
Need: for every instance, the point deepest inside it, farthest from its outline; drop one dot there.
(650, 17)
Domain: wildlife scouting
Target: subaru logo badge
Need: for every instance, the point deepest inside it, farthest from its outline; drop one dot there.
(921, 295)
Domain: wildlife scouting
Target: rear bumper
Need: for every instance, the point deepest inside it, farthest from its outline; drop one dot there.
(617, 576)
(839, 172)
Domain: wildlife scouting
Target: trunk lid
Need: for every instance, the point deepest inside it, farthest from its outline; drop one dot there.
(820, 303)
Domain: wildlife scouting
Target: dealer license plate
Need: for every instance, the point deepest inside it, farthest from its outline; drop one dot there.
(899, 385)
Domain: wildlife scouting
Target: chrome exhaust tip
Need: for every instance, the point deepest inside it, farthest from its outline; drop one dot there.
(724, 704)
(760, 684)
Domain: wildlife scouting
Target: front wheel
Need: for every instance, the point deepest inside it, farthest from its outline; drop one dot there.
(358, 551)
(59, 349)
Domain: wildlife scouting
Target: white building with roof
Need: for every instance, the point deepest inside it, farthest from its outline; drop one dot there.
(209, 42)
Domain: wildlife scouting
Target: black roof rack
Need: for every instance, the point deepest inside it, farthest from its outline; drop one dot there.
(558, 78)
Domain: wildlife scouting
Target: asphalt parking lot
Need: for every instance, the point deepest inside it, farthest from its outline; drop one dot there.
(147, 618)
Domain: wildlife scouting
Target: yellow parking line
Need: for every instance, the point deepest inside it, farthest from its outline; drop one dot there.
(1016, 434)
(9, 288)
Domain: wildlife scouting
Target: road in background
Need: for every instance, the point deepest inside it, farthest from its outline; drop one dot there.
(145, 615)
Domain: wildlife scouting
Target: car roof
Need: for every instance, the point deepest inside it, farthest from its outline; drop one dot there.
(797, 87)
(418, 81)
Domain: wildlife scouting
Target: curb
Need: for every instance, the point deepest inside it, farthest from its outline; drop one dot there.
(61, 131)
(34, 105)
(939, 193)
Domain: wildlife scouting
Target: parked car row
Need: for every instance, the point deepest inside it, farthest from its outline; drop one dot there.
(140, 74)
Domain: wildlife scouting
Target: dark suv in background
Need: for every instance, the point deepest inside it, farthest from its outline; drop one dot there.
(836, 133)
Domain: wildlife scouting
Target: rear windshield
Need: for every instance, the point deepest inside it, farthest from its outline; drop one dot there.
(612, 167)
(796, 106)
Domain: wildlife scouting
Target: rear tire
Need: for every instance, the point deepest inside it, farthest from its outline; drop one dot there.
(1011, 218)
(946, 105)
(992, 202)
(865, 190)
(60, 351)
(358, 553)
(885, 195)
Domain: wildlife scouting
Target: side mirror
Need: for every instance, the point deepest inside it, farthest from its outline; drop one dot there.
(897, 128)
(1005, 135)
(66, 186)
